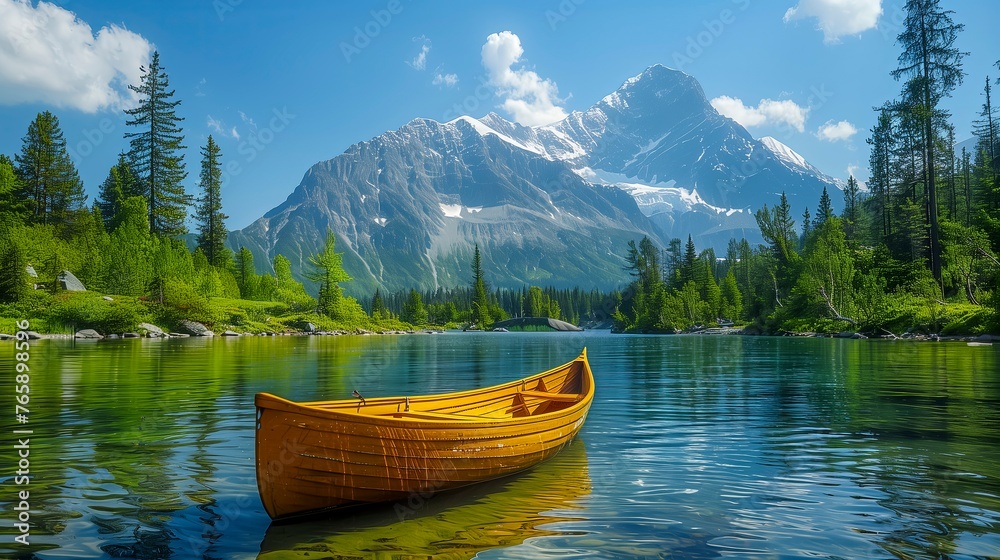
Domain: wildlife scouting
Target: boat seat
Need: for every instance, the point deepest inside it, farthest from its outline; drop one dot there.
(563, 397)
(421, 415)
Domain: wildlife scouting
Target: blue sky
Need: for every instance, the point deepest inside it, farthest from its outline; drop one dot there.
(283, 86)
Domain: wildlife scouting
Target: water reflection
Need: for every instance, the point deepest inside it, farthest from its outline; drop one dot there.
(695, 447)
(453, 525)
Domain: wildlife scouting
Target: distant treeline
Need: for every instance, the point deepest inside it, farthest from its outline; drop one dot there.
(454, 305)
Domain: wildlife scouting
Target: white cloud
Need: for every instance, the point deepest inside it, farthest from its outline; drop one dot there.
(767, 112)
(835, 132)
(420, 61)
(836, 18)
(450, 80)
(247, 120)
(49, 56)
(220, 128)
(529, 98)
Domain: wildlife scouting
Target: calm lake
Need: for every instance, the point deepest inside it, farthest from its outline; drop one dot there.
(696, 447)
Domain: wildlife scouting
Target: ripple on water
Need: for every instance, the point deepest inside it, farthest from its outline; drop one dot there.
(695, 447)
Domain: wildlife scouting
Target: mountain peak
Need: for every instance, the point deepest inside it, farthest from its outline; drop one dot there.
(793, 160)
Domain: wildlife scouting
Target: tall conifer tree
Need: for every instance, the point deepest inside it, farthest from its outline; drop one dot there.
(932, 65)
(119, 185)
(49, 184)
(211, 220)
(155, 151)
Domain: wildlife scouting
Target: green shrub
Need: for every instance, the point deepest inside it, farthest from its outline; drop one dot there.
(87, 310)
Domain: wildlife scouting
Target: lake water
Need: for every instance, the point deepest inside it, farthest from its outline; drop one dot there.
(695, 447)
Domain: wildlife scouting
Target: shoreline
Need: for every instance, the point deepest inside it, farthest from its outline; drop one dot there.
(722, 331)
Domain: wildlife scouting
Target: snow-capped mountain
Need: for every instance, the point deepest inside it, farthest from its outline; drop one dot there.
(689, 168)
(552, 204)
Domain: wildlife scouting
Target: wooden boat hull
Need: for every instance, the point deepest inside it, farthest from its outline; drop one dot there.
(333, 454)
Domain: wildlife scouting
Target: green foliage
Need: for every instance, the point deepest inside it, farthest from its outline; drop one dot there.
(328, 270)
(11, 212)
(182, 300)
(130, 251)
(288, 289)
(88, 310)
(731, 301)
(118, 186)
(414, 311)
(13, 270)
(379, 310)
(246, 274)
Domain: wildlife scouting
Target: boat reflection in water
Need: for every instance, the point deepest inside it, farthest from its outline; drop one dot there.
(451, 525)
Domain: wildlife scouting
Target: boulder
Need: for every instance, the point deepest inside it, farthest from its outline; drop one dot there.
(152, 331)
(31, 271)
(88, 333)
(230, 333)
(309, 327)
(70, 283)
(196, 329)
(179, 335)
(130, 335)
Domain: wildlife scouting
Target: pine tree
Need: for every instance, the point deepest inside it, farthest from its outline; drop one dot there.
(806, 224)
(155, 151)
(777, 228)
(689, 262)
(246, 274)
(328, 270)
(48, 181)
(825, 209)
(211, 220)
(732, 299)
(985, 127)
(481, 315)
(414, 311)
(933, 66)
(118, 186)
(880, 163)
(379, 310)
(852, 210)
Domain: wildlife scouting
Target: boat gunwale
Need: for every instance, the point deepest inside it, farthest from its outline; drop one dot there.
(317, 408)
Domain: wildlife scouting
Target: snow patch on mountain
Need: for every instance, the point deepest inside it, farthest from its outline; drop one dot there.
(485, 130)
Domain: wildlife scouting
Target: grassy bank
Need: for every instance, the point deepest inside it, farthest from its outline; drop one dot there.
(68, 312)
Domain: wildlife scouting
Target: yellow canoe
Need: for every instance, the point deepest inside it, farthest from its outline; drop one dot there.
(325, 455)
(455, 525)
